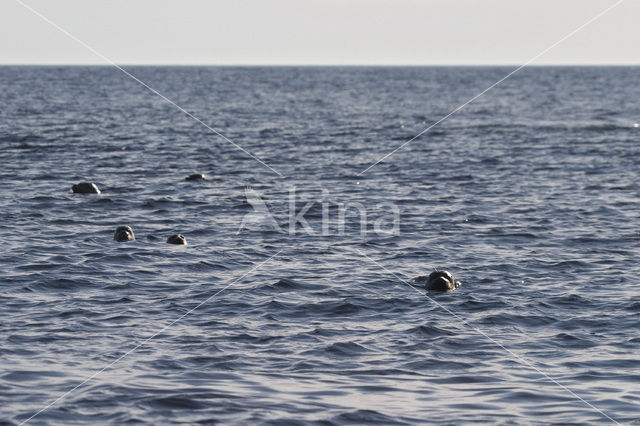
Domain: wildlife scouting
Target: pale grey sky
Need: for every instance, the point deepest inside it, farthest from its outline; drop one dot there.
(394, 32)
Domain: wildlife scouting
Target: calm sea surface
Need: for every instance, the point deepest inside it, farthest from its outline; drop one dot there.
(530, 196)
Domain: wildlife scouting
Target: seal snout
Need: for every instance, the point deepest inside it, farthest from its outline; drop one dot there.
(124, 233)
(178, 239)
(442, 281)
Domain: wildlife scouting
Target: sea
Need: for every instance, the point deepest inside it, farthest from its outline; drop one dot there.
(329, 194)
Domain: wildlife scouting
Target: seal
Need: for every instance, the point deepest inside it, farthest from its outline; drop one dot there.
(124, 233)
(196, 176)
(177, 239)
(442, 281)
(85, 188)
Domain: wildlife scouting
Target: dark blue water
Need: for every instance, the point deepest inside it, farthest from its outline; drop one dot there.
(530, 196)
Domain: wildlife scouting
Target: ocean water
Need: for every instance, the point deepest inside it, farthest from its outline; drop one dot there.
(529, 195)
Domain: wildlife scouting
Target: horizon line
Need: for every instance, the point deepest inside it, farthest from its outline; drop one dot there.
(35, 64)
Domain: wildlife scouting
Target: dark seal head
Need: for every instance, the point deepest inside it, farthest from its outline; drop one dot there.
(196, 176)
(124, 233)
(177, 239)
(442, 281)
(85, 188)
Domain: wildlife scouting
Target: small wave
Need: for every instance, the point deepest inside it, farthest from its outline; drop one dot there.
(430, 331)
(369, 417)
(572, 341)
(285, 285)
(176, 403)
(346, 349)
(30, 375)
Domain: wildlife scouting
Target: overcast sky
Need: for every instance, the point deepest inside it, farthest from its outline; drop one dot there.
(394, 32)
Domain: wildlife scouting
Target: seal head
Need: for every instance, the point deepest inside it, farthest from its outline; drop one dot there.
(85, 188)
(178, 239)
(442, 281)
(124, 233)
(195, 176)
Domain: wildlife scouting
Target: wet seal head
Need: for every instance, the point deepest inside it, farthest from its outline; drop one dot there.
(196, 176)
(124, 233)
(85, 188)
(442, 281)
(178, 239)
